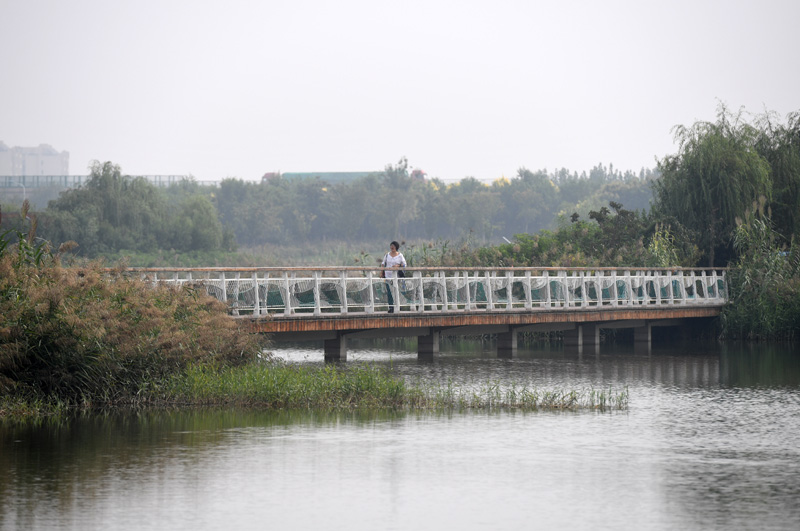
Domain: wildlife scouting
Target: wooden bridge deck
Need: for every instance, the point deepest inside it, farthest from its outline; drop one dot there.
(328, 326)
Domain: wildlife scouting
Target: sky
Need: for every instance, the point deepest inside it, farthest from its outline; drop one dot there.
(218, 89)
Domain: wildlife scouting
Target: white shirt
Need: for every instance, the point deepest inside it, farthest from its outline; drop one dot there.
(391, 261)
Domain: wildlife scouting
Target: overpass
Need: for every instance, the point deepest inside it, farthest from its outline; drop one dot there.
(334, 304)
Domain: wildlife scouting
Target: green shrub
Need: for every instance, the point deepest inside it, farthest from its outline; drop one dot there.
(87, 334)
(764, 283)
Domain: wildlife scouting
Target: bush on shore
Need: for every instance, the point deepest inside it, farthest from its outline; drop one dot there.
(87, 335)
(764, 283)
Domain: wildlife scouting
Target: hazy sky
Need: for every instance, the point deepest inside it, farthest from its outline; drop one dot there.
(461, 88)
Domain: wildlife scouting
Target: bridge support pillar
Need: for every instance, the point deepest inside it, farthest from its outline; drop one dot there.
(642, 338)
(336, 349)
(584, 334)
(574, 338)
(507, 344)
(591, 335)
(428, 346)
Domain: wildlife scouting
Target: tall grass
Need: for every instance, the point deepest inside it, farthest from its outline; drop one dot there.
(284, 386)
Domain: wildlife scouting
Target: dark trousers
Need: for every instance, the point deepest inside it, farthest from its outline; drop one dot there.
(389, 293)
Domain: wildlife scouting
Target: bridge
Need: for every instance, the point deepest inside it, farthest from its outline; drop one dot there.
(334, 304)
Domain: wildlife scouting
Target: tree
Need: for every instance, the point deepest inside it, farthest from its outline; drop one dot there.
(198, 228)
(400, 199)
(110, 212)
(715, 176)
(529, 201)
(779, 144)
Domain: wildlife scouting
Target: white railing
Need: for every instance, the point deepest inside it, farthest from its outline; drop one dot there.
(313, 291)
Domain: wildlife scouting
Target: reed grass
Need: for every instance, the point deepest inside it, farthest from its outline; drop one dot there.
(284, 386)
(24, 408)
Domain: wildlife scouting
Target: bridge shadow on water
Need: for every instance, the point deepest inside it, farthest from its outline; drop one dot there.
(668, 362)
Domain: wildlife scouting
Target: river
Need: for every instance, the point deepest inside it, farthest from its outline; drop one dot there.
(711, 440)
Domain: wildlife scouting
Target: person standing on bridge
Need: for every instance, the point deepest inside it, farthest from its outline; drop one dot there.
(394, 259)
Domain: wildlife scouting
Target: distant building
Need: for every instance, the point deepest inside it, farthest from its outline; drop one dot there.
(42, 160)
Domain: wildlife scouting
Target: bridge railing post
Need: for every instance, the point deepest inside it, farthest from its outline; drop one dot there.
(548, 292)
(599, 277)
(395, 287)
(714, 285)
(468, 303)
(724, 285)
(224, 294)
(256, 301)
(420, 290)
(675, 291)
(628, 283)
(488, 289)
(509, 290)
(527, 288)
(236, 286)
(700, 287)
(671, 292)
(287, 294)
(317, 308)
(371, 293)
(585, 285)
(667, 279)
(343, 292)
(614, 289)
(443, 281)
(657, 281)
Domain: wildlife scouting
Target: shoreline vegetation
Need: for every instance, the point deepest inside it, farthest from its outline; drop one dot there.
(84, 338)
(272, 385)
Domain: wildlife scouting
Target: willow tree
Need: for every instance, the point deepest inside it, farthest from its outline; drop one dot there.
(779, 144)
(712, 179)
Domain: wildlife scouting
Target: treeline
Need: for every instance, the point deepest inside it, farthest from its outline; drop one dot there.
(698, 195)
(113, 212)
(396, 204)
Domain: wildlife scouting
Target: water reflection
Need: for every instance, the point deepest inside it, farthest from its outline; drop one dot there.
(709, 442)
(760, 365)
